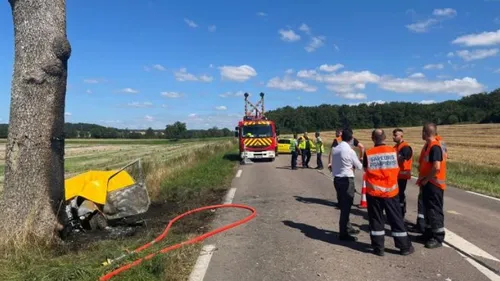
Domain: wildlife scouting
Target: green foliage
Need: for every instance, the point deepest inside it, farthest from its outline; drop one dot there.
(177, 130)
(478, 108)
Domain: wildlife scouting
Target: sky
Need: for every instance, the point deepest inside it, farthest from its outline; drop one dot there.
(148, 63)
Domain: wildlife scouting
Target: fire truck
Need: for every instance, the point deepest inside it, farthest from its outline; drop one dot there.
(256, 134)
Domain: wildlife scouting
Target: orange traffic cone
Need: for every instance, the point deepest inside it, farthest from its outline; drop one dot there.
(363, 203)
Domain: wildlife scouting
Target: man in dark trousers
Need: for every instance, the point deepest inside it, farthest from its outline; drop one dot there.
(432, 180)
(381, 168)
(307, 151)
(343, 160)
(294, 150)
(405, 161)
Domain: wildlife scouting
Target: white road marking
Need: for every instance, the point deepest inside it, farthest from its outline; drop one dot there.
(201, 266)
(479, 194)
(466, 246)
(453, 212)
(238, 174)
(230, 196)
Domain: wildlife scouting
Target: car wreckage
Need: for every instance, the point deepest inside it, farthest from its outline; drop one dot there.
(94, 198)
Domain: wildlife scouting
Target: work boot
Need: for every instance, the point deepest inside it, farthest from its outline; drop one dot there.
(353, 231)
(433, 243)
(379, 252)
(406, 252)
(347, 237)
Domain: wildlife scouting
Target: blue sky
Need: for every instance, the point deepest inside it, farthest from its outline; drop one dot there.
(148, 63)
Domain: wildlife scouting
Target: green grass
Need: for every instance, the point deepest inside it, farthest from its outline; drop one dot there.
(139, 141)
(200, 184)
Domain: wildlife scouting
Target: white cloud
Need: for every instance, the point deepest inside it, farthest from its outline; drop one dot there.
(353, 96)
(479, 39)
(422, 26)
(496, 20)
(330, 68)
(315, 43)
(206, 78)
(149, 118)
(171, 94)
(447, 12)
(289, 35)
(192, 115)
(182, 75)
(140, 104)
(417, 75)
(129, 91)
(311, 74)
(190, 23)
(367, 103)
(231, 94)
(427, 102)
(450, 54)
(212, 28)
(237, 73)
(65, 114)
(497, 71)
(351, 77)
(464, 86)
(221, 107)
(289, 71)
(88, 91)
(211, 66)
(434, 66)
(467, 55)
(159, 67)
(164, 106)
(336, 47)
(288, 84)
(261, 14)
(305, 28)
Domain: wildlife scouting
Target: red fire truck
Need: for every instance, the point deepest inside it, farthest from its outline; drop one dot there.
(256, 134)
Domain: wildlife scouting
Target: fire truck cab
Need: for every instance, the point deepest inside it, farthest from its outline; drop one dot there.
(257, 135)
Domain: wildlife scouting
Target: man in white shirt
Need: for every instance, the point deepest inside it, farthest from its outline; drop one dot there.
(344, 159)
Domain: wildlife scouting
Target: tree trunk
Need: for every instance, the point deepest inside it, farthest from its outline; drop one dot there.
(34, 170)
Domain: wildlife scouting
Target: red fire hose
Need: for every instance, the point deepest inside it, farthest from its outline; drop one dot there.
(173, 247)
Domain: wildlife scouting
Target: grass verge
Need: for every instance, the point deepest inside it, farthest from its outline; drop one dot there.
(202, 180)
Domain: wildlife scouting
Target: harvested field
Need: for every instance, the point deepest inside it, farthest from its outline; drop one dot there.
(475, 143)
(83, 156)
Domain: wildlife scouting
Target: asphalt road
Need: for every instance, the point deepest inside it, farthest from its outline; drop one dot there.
(293, 236)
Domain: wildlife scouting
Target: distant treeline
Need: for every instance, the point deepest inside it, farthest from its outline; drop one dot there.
(177, 130)
(477, 108)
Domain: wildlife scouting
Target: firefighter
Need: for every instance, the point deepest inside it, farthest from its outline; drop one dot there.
(381, 167)
(294, 151)
(320, 148)
(405, 162)
(432, 180)
(307, 151)
(302, 146)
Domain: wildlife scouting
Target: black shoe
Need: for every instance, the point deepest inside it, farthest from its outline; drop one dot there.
(379, 252)
(406, 252)
(347, 237)
(353, 231)
(433, 243)
(422, 238)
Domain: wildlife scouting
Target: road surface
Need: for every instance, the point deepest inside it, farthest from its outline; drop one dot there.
(293, 236)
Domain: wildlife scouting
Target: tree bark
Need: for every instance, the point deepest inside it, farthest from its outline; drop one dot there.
(34, 170)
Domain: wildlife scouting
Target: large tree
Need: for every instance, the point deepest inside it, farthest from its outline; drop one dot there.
(34, 170)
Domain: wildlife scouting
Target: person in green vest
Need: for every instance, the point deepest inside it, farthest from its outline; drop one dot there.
(320, 148)
(294, 151)
(302, 147)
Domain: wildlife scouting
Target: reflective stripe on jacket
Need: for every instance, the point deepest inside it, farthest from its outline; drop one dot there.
(382, 172)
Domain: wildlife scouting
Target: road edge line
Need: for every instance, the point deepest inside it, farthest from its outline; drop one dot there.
(202, 263)
(482, 195)
(238, 174)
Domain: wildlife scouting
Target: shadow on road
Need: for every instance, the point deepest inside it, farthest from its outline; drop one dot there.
(331, 237)
(327, 236)
(311, 200)
(232, 157)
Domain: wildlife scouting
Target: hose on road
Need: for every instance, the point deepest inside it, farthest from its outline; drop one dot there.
(160, 237)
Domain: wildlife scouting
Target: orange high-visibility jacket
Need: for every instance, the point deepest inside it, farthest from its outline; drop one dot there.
(405, 166)
(382, 172)
(425, 167)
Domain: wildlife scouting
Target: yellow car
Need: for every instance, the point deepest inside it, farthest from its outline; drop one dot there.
(284, 146)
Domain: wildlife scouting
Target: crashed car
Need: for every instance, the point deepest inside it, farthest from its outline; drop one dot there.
(96, 197)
